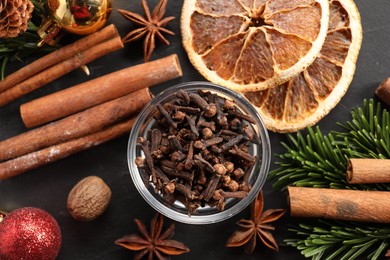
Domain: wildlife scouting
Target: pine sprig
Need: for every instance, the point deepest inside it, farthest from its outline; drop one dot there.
(339, 240)
(320, 161)
(368, 133)
(316, 161)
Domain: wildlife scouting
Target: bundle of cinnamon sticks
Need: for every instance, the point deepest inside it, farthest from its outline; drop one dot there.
(59, 63)
(355, 205)
(88, 114)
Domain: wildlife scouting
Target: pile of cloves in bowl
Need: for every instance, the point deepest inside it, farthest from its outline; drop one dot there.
(198, 150)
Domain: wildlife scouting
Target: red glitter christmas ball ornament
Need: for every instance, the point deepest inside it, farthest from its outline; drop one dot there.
(29, 233)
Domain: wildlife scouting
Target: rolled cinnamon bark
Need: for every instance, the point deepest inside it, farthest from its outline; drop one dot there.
(59, 55)
(361, 171)
(383, 91)
(354, 205)
(83, 123)
(54, 153)
(59, 69)
(99, 90)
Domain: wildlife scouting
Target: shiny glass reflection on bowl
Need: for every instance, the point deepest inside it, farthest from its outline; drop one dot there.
(177, 211)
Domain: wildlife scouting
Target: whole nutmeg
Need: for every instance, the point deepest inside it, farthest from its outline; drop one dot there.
(89, 198)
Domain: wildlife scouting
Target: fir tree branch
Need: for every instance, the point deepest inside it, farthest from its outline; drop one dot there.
(368, 132)
(339, 240)
(320, 161)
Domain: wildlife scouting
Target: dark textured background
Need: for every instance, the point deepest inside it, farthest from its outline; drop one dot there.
(48, 186)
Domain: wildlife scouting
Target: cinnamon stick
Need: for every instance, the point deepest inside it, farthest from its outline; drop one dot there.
(59, 55)
(383, 91)
(99, 90)
(74, 126)
(353, 205)
(56, 152)
(59, 69)
(362, 171)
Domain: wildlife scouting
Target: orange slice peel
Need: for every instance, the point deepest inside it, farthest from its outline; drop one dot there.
(308, 97)
(249, 45)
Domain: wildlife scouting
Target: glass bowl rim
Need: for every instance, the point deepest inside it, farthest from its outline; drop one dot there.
(199, 219)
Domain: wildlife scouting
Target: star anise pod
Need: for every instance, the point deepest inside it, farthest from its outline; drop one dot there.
(152, 26)
(257, 226)
(153, 243)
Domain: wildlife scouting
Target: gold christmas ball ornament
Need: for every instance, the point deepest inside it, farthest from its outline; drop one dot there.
(79, 17)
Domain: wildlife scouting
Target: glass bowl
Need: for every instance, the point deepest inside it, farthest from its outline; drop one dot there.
(176, 210)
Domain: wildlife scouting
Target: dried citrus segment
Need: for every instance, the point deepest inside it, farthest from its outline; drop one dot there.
(306, 22)
(219, 59)
(220, 7)
(323, 75)
(208, 30)
(293, 48)
(249, 45)
(274, 6)
(336, 46)
(256, 56)
(308, 97)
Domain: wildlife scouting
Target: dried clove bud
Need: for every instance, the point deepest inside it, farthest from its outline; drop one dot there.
(208, 124)
(189, 161)
(170, 188)
(179, 116)
(184, 97)
(165, 113)
(207, 133)
(229, 104)
(220, 169)
(178, 156)
(229, 166)
(211, 111)
(233, 185)
(232, 142)
(189, 194)
(238, 173)
(199, 101)
(244, 155)
(140, 162)
(226, 179)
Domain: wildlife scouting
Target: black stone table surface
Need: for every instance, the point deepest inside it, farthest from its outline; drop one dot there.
(47, 187)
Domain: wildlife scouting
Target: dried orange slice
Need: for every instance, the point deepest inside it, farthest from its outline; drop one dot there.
(308, 97)
(249, 45)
